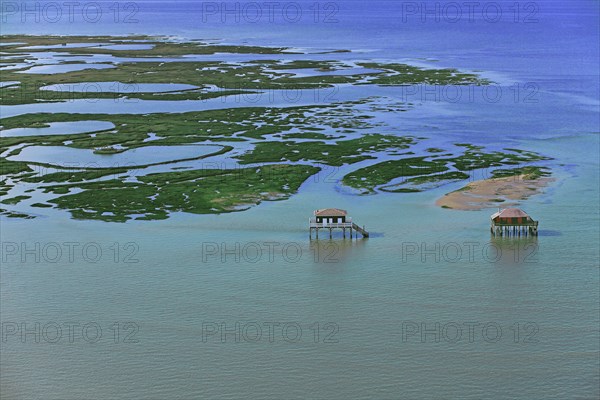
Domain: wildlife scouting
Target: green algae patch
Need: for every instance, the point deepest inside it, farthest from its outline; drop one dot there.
(206, 191)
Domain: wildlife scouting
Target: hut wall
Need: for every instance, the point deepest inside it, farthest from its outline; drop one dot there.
(333, 219)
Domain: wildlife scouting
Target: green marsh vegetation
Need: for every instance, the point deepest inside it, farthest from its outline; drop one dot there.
(271, 150)
(230, 78)
(425, 171)
(204, 191)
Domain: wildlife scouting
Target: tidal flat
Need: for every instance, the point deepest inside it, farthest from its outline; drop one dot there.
(505, 189)
(260, 152)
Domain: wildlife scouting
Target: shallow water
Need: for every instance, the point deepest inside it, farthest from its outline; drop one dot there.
(60, 128)
(118, 87)
(61, 68)
(190, 272)
(8, 83)
(85, 158)
(127, 47)
(66, 45)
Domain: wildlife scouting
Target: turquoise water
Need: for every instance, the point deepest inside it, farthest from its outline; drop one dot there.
(171, 278)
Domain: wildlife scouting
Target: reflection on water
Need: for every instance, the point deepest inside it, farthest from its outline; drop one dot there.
(547, 232)
(336, 250)
(513, 250)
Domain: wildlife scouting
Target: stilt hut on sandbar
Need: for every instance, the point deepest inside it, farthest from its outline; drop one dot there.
(333, 218)
(513, 221)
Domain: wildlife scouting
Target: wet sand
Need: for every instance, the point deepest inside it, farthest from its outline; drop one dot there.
(493, 193)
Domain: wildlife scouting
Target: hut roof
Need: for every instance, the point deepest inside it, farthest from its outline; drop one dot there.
(330, 212)
(510, 213)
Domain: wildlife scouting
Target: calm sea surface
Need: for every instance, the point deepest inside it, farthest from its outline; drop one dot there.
(245, 306)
